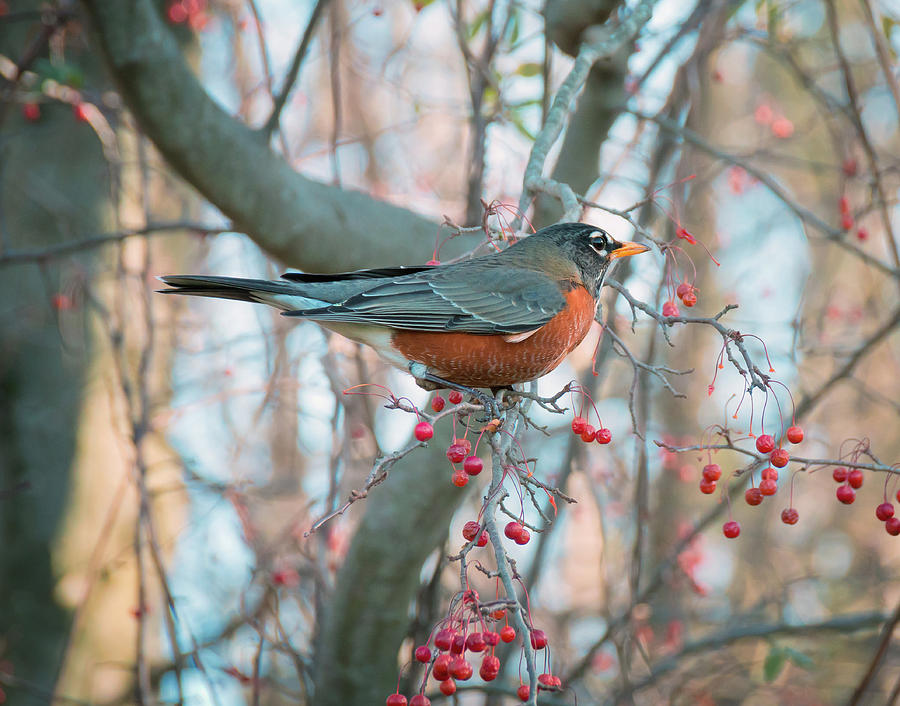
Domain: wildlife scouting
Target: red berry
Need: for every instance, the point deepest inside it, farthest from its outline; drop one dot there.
(689, 299)
(846, 221)
(423, 654)
(455, 397)
(670, 308)
(855, 478)
(790, 516)
(437, 403)
(588, 435)
(440, 670)
(80, 112)
(768, 487)
(862, 234)
(839, 474)
(707, 487)
(512, 529)
(884, 512)
(523, 692)
(490, 668)
(893, 526)
(456, 452)
(765, 443)
(683, 289)
(603, 436)
(420, 700)
(448, 687)
(444, 639)
(844, 204)
(538, 639)
(731, 529)
(753, 496)
(459, 479)
(458, 646)
(779, 458)
(396, 700)
(472, 465)
(491, 638)
(794, 434)
(579, 424)
(769, 473)
(31, 112)
(465, 443)
(461, 669)
(423, 431)
(712, 471)
(482, 540)
(548, 681)
(508, 633)
(498, 614)
(471, 530)
(846, 494)
(475, 642)
(523, 537)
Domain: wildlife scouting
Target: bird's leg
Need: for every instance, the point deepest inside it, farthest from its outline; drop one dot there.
(421, 374)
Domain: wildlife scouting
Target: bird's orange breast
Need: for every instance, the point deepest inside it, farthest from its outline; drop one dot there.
(493, 360)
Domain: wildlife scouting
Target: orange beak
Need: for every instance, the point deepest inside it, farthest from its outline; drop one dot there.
(628, 249)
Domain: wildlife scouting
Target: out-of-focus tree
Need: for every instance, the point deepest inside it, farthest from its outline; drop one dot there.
(202, 503)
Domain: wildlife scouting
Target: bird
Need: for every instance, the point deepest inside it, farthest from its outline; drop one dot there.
(490, 321)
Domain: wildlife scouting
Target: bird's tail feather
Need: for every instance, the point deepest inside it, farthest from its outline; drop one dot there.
(280, 294)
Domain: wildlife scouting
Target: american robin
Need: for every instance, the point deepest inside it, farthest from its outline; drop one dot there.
(491, 321)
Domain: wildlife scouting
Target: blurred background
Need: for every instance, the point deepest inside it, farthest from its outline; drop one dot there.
(162, 460)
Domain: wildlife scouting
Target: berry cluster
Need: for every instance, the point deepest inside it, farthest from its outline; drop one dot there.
(191, 12)
(580, 427)
(455, 644)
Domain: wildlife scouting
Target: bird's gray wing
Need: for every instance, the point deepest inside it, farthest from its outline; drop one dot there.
(482, 300)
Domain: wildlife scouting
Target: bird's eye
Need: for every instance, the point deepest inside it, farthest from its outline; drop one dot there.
(600, 243)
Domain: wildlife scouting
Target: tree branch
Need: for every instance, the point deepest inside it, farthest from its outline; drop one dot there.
(299, 221)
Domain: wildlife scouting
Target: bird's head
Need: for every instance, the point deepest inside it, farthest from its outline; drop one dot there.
(592, 250)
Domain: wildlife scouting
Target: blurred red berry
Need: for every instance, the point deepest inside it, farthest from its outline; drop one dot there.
(768, 487)
(423, 654)
(523, 692)
(603, 436)
(782, 128)
(508, 633)
(779, 458)
(437, 403)
(579, 424)
(538, 639)
(670, 308)
(765, 443)
(790, 516)
(794, 434)
(712, 471)
(31, 112)
(472, 465)
(689, 299)
(855, 478)
(893, 526)
(731, 529)
(423, 431)
(707, 487)
(846, 494)
(396, 700)
(753, 496)
(884, 512)
(455, 397)
(839, 474)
